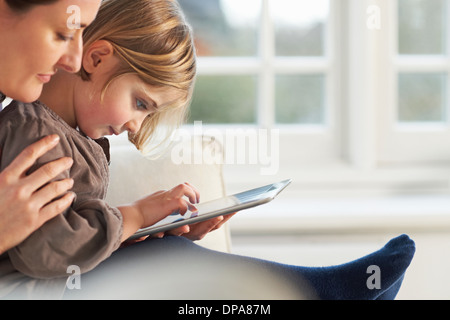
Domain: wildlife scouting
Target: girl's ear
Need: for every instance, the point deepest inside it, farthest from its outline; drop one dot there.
(97, 53)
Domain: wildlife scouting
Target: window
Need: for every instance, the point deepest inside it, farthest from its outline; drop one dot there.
(357, 105)
(259, 59)
(268, 64)
(416, 120)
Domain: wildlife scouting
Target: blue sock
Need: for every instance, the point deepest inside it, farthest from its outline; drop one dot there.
(350, 280)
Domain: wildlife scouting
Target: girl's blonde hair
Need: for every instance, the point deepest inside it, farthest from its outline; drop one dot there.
(153, 41)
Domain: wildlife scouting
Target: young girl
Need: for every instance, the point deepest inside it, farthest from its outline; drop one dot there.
(138, 71)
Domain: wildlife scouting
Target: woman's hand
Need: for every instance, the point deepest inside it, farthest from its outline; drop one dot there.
(27, 202)
(151, 209)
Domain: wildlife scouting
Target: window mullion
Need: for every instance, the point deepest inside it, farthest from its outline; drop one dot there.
(447, 68)
(363, 84)
(266, 88)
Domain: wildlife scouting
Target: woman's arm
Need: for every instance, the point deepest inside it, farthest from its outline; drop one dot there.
(89, 230)
(24, 204)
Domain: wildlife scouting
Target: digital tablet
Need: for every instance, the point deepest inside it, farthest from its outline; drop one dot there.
(218, 207)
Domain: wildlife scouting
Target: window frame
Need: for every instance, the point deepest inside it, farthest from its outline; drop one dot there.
(414, 137)
(357, 152)
(351, 151)
(320, 141)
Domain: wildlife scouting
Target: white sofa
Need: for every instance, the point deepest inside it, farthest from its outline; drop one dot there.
(134, 176)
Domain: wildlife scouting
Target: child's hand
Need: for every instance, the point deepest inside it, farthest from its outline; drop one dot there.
(128, 243)
(153, 208)
(199, 230)
(180, 231)
(163, 203)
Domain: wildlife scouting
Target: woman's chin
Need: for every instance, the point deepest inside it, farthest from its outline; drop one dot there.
(27, 94)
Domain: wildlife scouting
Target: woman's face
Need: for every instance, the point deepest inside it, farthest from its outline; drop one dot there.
(36, 43)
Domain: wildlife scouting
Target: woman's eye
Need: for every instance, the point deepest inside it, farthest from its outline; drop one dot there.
(65, 38)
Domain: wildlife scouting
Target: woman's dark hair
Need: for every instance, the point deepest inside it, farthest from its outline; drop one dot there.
(24, 5)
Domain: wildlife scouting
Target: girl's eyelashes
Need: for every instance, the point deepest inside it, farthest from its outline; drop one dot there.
(145, 106)
(141, 105)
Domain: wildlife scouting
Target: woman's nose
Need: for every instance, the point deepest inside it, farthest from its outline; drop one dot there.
(71, 60)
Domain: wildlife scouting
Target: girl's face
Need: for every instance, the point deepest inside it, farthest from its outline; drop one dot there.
(126, 103)
(36, 43)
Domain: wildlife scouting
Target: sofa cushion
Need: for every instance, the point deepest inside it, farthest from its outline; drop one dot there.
(133, 176)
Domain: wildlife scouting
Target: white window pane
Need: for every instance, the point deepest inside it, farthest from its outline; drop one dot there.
(421, 27)
(422, 97)
(224, 27)
(300, 26)
(300, 99)
(224, 99)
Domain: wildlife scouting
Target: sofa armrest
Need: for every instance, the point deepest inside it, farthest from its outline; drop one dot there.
(133, 176)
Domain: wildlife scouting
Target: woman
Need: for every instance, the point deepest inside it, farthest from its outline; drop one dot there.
(36, 40)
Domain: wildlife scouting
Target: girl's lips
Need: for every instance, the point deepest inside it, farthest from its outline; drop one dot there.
(45, 78)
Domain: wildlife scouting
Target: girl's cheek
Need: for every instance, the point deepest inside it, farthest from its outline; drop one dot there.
(119, 117)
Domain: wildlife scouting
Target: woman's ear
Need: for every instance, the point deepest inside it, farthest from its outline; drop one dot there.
(96, 54)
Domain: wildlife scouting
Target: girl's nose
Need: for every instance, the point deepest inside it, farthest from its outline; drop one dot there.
(133, 126)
